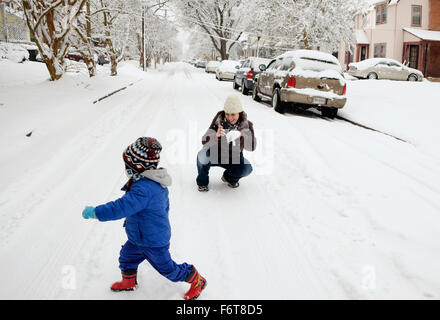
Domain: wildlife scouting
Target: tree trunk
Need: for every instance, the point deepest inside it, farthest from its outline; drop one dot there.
(223, 50)
(89, 60)
(114, 65)
(306, 40)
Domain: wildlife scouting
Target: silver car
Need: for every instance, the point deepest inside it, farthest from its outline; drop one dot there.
(383, 68)
(211, 66)
(226, 70)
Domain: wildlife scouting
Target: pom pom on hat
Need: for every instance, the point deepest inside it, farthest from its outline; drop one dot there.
(233, 104)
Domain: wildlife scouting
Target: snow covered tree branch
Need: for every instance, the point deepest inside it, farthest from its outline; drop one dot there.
(221, 20)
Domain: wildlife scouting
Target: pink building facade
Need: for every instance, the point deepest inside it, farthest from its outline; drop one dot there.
(405, 30)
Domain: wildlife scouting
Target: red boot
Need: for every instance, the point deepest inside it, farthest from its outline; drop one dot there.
(198, 283)
(128, 282)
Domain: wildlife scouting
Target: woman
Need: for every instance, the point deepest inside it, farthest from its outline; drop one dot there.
(229, 133)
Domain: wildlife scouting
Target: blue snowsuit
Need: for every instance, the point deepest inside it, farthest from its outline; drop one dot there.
(145, 206)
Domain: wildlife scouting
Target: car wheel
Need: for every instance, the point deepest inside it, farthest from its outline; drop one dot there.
(244, 90)
(372, 76)
(329, 112)
(277, 104)
(234, 85)
(412, 77)
(255, 95)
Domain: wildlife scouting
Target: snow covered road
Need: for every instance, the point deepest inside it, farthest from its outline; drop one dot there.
(331, 211)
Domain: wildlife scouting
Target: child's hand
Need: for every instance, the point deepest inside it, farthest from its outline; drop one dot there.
(89, 213)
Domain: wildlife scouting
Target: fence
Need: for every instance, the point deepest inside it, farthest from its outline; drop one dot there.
(12, 27)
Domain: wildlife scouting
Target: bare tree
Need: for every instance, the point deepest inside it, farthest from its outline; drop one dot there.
(219, 19)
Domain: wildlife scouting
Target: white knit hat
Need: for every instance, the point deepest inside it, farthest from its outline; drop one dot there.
(233, 104)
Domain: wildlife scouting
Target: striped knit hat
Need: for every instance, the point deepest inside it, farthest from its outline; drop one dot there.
(143, 154)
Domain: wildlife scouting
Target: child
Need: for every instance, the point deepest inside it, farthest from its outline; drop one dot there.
(145, 206)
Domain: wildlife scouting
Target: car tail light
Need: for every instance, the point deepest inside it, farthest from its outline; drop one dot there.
(344, 90)
(250, 74)
(291, 83)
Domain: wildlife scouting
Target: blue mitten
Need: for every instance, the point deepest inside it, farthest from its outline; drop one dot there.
(89, 213)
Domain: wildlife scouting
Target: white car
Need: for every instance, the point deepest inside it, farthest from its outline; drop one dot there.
(211, 66)
(383, 68)
(226, 70)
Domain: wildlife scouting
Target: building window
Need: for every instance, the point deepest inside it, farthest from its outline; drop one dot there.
(380, 50)
(381, 14)
(416, 16)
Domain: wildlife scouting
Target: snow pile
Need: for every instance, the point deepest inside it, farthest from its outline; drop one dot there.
(408, 110)
(14, 52)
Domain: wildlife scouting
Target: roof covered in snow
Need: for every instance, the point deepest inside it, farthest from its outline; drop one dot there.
(429, 35)
(361, 37)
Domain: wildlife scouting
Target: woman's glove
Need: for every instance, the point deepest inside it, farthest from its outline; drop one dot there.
(89, 213)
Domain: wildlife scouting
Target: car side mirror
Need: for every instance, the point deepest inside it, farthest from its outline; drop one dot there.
(262, 67)
(237, 67)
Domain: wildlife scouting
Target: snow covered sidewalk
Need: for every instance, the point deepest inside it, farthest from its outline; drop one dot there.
(332, 211)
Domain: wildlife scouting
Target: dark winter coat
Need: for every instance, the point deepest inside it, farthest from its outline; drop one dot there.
(145, 206)
(247, 140)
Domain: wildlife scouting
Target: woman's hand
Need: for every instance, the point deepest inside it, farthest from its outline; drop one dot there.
(220, 132)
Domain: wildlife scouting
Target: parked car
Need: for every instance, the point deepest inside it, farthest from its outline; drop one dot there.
(74, 57)
(383, 68)
(211, 66)
(201, 64)
(102, 59)
(303, 79)
(226, 70)
(245, 75)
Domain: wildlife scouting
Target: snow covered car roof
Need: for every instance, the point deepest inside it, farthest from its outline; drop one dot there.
(256, 62)
(314, 64)
(310, 54)
(213, 63)
(368, 63)
(228, 65)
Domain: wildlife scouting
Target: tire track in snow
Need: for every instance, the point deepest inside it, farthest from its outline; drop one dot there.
(44, 280)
